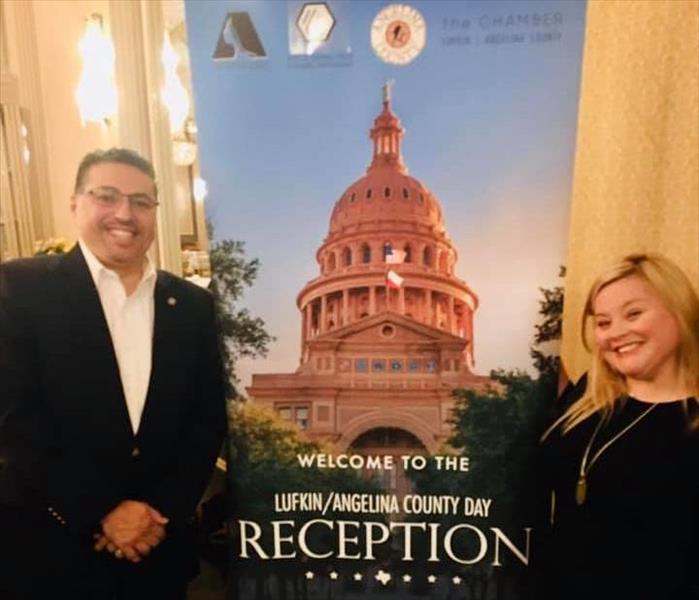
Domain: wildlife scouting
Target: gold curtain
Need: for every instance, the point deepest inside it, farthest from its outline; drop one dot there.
(636, 178)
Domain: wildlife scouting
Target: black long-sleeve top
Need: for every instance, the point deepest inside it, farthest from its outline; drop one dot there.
(636, 535)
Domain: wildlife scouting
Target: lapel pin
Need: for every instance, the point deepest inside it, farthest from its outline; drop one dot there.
(172, 301)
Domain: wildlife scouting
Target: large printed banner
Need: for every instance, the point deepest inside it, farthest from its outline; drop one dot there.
(401, 172)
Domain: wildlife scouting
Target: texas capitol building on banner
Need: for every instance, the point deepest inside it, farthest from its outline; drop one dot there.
(386, 328)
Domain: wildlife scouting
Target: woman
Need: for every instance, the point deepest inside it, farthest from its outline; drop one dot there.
(623, 460)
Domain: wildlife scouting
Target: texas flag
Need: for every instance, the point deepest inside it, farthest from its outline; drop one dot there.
(393, 280)
(395, 257)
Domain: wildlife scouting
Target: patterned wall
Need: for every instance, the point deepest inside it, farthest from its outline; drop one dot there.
(636, 180)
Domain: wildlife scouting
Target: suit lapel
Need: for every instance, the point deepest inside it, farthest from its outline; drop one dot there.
(97, 371)
(164, 345)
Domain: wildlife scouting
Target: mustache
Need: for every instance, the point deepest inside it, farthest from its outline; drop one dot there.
(116, 222)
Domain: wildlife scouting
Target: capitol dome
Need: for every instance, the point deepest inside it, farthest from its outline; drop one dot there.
(387, 210)
(386, 191)
(388, 223)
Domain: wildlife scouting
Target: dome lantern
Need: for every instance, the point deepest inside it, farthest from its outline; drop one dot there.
(387, 134)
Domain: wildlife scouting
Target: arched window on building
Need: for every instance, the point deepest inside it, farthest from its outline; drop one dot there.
(395, 442)
(331, 262)
(387, 249)
(408, 249)
(315, 320)
(443, 262)
(346, 257)
(427, 256)
(366, 253)
(387, 192)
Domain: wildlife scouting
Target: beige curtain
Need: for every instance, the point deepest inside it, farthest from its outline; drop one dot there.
(636, 179)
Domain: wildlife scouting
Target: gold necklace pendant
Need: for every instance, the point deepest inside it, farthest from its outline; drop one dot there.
(581, 485)
(581, 491)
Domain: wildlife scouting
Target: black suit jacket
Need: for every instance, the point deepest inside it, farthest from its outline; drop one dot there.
(66, 443)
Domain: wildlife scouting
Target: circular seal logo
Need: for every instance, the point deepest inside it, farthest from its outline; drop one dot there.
(398, 34)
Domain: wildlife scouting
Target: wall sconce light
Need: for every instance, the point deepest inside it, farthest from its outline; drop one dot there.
(184, 152)
(26, 153)
(96, 93)
(200, 189)
(174, 94)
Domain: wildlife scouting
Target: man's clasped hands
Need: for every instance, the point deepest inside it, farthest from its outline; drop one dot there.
(131, 530)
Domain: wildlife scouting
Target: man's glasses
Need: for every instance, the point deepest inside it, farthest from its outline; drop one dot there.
(110, 197)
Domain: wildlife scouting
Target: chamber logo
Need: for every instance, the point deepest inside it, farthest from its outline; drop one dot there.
(238, 36)
(398, 34)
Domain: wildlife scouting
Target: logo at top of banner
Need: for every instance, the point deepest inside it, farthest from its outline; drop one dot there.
(398, 34)
(315, 22)
(319, 34)
(238, 35)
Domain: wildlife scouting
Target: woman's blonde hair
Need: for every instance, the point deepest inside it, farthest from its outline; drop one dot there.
(605, 386)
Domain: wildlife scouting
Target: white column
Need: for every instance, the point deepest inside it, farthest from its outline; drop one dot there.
(21, 57)
(138, 32)
(20, 29)
(323, 313)
(9, 244)
(308, 311)
(345, 307)
(428, 307)
(16, 213)
(133, 127)
(304, 328)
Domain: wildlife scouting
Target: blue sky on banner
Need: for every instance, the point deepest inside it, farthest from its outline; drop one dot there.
(490, 128)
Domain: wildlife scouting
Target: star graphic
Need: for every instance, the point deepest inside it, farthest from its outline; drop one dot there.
(309, 575)
(357, 576)
(407, 578)
(333, 574)
(456, 580)
(431, 578)
(383, 577)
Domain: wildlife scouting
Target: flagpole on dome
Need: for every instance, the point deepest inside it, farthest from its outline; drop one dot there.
(387, 91)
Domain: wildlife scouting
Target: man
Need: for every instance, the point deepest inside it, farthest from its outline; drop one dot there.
(112, 409)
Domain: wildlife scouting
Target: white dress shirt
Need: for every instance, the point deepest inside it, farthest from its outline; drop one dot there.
(130, 321)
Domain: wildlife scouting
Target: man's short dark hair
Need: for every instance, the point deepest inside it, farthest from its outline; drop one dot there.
(124, 156)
